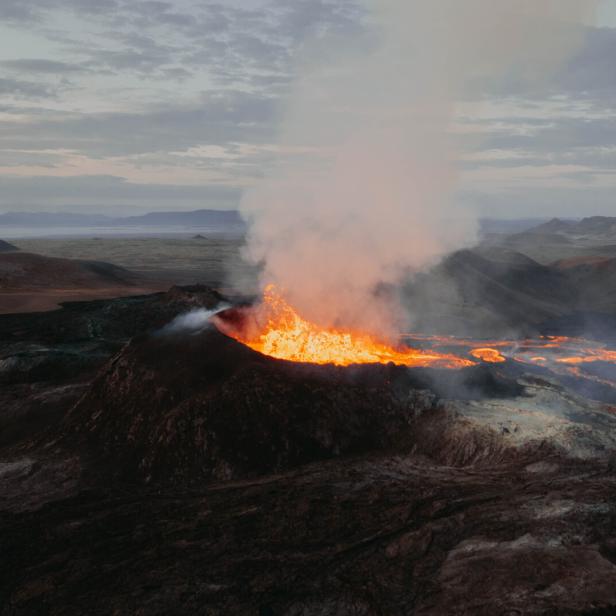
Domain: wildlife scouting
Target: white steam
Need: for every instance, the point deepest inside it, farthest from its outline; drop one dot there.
(364, 189)
(191, 322)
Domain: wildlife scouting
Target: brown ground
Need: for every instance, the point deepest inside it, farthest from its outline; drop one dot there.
(31, 283)
(14, 301)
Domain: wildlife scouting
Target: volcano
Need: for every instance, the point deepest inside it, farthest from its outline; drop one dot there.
(205, 407)
(228, 480)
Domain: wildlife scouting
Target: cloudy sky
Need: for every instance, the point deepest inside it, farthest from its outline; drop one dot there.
(125, 106)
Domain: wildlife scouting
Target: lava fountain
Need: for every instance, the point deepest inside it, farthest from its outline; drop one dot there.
(276, 329)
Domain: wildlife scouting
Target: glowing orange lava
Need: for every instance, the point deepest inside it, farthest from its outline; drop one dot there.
(286, 335)
(589, 355)
(491, 356)
(275, 328)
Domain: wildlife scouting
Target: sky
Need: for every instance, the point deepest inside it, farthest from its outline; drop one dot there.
(128, 106)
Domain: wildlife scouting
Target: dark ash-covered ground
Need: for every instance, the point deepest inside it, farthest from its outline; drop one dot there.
(150, 473)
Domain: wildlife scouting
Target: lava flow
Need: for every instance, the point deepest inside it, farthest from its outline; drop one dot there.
(489, 355)
(275, 328)
(286, 335)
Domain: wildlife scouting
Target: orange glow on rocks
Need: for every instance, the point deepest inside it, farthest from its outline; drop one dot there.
(275, 328)
(282, 333)
(589, 355)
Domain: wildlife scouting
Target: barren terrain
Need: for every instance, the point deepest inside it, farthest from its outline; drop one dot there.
(149, 469)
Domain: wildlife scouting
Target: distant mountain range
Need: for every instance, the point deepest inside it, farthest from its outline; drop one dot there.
(559, 239)
(215, 218)
(153, 219)
(587, 231)
(598, 226)
(498, 226)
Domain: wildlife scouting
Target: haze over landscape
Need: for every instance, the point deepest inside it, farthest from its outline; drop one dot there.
(308, 308)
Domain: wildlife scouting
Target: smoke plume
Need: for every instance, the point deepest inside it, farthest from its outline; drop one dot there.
(191, 322)
(364, 190)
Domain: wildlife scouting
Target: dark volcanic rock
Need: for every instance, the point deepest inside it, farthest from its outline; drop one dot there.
(84, 334)
(373, 536)
(195, 476)
(46, 357)
(197, 407)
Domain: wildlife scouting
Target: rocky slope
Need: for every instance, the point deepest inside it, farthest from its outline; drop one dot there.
(47, 359)
(496, 292)
(371, 536)
(192, 475)
(202, 406)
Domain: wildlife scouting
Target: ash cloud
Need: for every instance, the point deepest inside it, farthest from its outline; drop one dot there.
(365, 189)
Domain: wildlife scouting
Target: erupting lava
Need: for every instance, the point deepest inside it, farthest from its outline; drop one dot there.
(284, 334)
(274, 328)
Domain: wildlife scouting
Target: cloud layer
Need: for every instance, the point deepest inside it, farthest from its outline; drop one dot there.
(188, 95)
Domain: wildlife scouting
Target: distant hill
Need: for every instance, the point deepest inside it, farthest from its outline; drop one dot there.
(24, 270)
(198, 217)
(488, 292)
(558, 239)
(6, 247)
(496, 292)
(152, 219)
(555, 225)
(489, 226)
(33, 283)
(599, 226)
